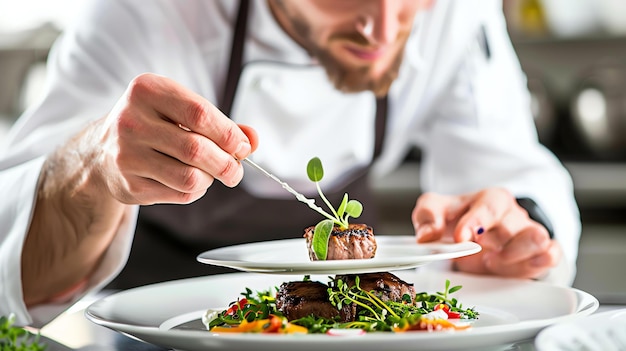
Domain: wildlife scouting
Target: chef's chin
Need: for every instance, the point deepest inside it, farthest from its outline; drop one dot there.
(354, 80)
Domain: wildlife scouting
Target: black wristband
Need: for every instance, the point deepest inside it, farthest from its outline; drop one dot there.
(536, 213)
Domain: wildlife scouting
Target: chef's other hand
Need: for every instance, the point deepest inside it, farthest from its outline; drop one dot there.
(513, 245)
(163, 143)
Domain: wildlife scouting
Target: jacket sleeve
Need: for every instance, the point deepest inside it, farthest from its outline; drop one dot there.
(64, 109)
(18, 186)
(89, 68)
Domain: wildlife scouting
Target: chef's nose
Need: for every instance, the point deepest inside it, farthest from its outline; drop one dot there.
(379, 22)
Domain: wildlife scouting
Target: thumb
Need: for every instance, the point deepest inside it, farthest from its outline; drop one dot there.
(252, 135)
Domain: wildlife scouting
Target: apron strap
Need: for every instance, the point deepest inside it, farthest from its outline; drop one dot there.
(236, 64)
(236, 58)
(381, 125)
(168, 236)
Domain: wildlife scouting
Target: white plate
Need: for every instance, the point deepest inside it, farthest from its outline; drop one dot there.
(168, 314)
(605, 331)
(291, 256)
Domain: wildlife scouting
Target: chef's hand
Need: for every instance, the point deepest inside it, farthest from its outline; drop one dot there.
(163, 143)
(513, 245)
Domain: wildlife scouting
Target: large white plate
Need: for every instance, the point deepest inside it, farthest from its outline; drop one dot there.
(605, 331)
(290, 256)
(168, 314)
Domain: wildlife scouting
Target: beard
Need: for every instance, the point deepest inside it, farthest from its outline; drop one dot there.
(358, 79)
(353, 79)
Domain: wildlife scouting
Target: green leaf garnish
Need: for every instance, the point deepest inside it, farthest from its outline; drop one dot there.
(314, 169)
(353, 209)
(374, 314)
(16, 338)
(339, 217)
(342, 207)
(320, 238)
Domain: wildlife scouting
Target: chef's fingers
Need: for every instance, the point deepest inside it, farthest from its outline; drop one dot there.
(486, 210)
(169, 172)
(457, 208)
(252, 135)
(197, 151)
(512, 263)
(190, 111)
(529, 242)
(429, 216)
(514, 221)
(527, 256)
(149, 176)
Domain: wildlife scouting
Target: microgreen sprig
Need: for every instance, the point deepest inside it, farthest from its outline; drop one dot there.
(341, 294)
(430, 301)
(254, 305)
(14, 338)
(347, 208)
(373, 314)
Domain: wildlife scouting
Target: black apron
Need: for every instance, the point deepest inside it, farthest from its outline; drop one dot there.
(169, 237)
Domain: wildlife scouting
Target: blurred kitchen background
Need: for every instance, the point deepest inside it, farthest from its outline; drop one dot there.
(574, 55)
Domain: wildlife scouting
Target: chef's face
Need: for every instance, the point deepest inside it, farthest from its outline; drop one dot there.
(359, 42)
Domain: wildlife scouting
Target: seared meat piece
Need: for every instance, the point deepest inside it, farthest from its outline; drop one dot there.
(353, 243)
(387, 287)
(302, 298)
(299, 299)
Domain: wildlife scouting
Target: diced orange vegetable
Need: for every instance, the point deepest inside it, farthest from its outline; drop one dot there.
(243, 327)
(431, 325)
(294, 329)
(272, 325)
(275, 324)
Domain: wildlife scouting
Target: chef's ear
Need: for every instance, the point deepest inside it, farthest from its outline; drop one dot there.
(253, 137)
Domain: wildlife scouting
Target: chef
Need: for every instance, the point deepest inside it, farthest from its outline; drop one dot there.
(149, 107)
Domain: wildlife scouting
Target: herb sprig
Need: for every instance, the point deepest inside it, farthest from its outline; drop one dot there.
(347, 208)
(430, 301)
(373, 314)
(254, 305)
(14, 338)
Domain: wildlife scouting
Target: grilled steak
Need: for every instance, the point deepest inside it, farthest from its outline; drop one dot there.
(299, 299)
(387, 287)
(302, 298)
(353, 243)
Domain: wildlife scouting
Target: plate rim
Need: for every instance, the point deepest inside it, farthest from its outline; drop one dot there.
(335, 266)
(587, 304)
(591, 320)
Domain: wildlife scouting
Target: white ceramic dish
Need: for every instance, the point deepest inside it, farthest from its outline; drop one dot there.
(168, 314)
(290, 256)
(605, 331)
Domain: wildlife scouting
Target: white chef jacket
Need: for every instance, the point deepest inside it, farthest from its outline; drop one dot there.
(460, 97)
